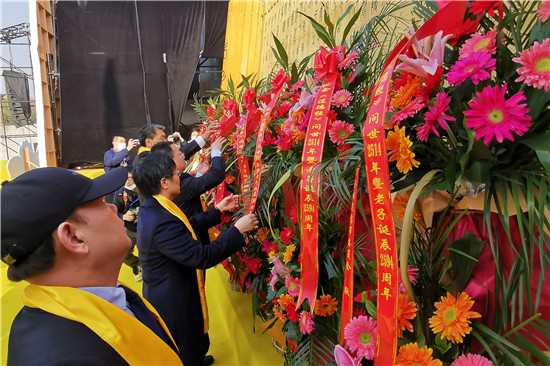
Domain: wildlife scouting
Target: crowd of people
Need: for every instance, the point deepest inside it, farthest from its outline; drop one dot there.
(75, 310)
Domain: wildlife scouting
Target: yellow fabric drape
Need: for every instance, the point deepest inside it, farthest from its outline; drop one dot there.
(175, 210)
(132, 339)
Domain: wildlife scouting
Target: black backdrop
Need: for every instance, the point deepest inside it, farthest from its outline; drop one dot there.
(113, 75)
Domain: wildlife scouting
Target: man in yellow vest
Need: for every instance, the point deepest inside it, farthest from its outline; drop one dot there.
(60, 236)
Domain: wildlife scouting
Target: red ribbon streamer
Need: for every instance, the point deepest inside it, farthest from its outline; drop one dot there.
(347, 293)
(448, 19)
(312, 154)
(258, 152)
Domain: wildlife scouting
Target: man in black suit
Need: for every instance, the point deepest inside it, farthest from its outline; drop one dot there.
(172, 259)
(60, 236)
(191, 188)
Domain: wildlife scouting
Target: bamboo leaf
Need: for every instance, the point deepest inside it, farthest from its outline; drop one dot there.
(463, 254)
(350, 24)
(344, 15)
(282, 52)
(321, 32)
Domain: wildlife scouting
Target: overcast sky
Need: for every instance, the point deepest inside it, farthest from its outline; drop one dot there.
(13, 13)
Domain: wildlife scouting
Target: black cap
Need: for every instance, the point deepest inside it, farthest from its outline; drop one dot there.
(36, 202)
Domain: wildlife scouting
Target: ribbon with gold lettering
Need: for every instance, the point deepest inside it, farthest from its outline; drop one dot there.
(449, 20)
(257, 169)
(312, 154)
(347, 293)
(244, 170)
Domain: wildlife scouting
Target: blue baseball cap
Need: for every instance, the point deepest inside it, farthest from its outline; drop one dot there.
(35, 203)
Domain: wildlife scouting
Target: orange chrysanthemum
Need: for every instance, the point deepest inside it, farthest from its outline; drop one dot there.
(229, 179)
(452, 317)
(286, 301)
(326, 305)
(279, 314)
(399, 146)
(411, 355)
(262, 234)
(406, 92)
(288, 253)
(406, 310)
(298, 136)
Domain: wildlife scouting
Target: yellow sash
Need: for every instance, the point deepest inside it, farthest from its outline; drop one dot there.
(133, 341)
(175, 210)
(142, 149)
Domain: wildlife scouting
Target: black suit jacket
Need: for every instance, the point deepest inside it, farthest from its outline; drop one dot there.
(169, 258)
(191, 189)
(189, 149)
(40, 338)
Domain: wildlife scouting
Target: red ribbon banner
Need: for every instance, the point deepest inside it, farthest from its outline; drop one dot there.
(258, 152)
(449, 20)
(244, 172)
(312, 154)
(347, 293)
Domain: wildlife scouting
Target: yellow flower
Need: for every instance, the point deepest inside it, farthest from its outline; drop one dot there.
(411, 355)
(288, 253)
(326, 305)
(399, 146)
(452, 317)
(406, 310)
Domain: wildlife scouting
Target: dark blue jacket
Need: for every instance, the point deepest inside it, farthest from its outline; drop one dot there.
(191, 189)
(169, 258)
(112, 159)
(40, 338)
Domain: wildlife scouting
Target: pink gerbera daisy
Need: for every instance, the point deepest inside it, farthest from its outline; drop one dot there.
(360, 335)
(306, 322)
(409, 111)
(472, 360)
(339, 131)
(493, 116)
(293, 286)
(536, 65)
(435, 114)
(473, 67)
(544, 11)
(341, 98)
(485, 42)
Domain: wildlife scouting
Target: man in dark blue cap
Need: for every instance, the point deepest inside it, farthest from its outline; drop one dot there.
(60, 236)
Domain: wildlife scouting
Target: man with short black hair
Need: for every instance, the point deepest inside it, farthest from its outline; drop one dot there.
(191, 188)
(172, 258)
(151, 134)
(60, 236)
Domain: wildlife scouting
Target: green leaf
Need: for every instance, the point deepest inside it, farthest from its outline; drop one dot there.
(321, 32)
(462, 254)
(540, 141)
(350, 24)
(344, 15)
(330, 26)
(441, 344)
(281, 50)
(371, 309)
(544, 157)
(294, 73)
